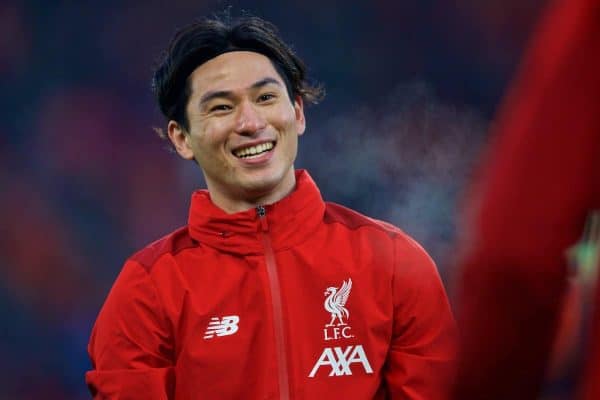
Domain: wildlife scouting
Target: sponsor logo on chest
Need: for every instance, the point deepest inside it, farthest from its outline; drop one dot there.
(339, 359)
(222, 326)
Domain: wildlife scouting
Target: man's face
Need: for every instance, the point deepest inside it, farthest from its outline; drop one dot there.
(243, 129)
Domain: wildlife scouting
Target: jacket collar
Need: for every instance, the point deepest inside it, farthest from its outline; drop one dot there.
(290, 220)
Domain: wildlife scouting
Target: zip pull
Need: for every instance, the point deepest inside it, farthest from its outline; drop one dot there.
(262, 217)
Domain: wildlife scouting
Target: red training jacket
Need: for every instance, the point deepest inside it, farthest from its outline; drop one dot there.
(295, 300)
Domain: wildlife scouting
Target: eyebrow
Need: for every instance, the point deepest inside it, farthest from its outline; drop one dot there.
(264, 82)
(210, 95)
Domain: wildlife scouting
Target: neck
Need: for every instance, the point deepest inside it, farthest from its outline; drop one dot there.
(246, 200)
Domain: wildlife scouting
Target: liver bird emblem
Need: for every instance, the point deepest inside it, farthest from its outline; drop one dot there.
(335, 301)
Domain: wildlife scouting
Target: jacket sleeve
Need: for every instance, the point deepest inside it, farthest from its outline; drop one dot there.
(131, 347)
(421, 358)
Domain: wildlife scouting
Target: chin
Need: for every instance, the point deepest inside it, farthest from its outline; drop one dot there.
(261, 186)
(262, 183)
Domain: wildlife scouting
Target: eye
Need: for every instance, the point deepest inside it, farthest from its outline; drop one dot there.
(220, 107)
(266, 97)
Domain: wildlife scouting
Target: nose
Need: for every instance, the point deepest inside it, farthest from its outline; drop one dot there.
(249, 120)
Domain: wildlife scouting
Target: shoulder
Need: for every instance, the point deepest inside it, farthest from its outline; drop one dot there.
(353, 220)
(142, 276)
(405, 246)
(171, 244)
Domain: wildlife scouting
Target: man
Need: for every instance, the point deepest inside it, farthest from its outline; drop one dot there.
(268, 292)
(540, 186)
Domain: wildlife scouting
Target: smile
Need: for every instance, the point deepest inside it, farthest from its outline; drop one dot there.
(254, 151)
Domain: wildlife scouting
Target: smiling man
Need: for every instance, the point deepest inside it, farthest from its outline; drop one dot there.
(240, 92)
(268, 292)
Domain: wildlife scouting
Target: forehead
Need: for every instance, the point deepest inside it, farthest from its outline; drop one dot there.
(232, 71)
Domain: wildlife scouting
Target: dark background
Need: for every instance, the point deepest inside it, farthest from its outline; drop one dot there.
(84, 181)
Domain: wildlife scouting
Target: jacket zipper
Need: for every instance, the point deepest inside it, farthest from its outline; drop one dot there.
(284, 389)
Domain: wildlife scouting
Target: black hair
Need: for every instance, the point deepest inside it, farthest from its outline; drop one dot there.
(208, 38)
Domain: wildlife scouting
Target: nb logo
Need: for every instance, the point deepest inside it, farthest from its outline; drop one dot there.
(222, 327)
(340, 360)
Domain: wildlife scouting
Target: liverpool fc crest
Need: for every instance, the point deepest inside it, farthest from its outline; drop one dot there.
(335, 302)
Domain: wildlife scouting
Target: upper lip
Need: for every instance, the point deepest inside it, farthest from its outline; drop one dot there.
(251, 144)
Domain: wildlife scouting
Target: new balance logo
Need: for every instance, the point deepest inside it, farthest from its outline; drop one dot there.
(340, 360)
(222, 327)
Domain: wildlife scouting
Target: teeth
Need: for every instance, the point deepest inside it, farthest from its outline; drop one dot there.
(254, 150)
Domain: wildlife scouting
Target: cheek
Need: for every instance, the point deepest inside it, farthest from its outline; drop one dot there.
(219, 127)
(284, 119)
(212, 135)
(290, 144)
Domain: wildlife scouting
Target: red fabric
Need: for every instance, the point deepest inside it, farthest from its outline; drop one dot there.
(148, 341)
(541, 180)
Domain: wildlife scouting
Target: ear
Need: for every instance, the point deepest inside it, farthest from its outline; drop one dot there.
(299, 112)
(180, 139)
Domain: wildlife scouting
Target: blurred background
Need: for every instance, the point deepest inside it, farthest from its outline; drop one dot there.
(84, 180)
